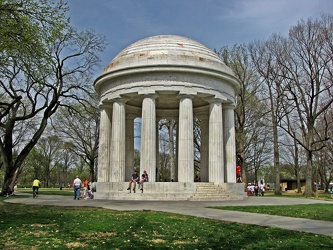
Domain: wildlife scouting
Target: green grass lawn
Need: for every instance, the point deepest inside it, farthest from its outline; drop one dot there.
(320, 195)
(48, 191)
(314, 211)
(45, 227)
(322, 212)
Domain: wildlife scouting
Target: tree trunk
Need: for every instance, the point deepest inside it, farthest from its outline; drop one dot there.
(309, 185)
(309, 176)
(297, 168)
(8, 185)
(277, 189)
(92, 169)
(243, 164)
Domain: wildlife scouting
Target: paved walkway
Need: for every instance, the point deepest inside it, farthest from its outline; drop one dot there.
(200, 209)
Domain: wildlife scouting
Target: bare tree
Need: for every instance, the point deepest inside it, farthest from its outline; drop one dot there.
(259, 151)
(48, 148)
(293, 155)
(197, 147)
(306, 66)
(169, 126)
(323, 159)
(81, 129)
(266, 65)
(64, 162)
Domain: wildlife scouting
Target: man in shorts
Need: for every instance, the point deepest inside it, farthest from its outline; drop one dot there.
(134, 179)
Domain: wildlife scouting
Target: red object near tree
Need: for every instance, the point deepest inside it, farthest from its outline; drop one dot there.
(238, 171)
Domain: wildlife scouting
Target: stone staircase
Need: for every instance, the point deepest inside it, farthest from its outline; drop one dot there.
(208, 191)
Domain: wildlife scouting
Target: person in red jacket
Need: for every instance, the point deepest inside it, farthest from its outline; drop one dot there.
(238, 174)
(85, 188)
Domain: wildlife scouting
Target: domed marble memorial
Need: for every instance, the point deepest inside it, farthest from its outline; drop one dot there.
(167, 77)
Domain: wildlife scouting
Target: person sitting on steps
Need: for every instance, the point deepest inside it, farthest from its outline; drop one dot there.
(135, 178)
(144, 178)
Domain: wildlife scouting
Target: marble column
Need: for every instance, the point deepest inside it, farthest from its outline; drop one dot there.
(104, 145)
(229, 144)
(216, 169)
(148, 136)
(117, 160)
(129, 160)
(185, 146)
(204, 149)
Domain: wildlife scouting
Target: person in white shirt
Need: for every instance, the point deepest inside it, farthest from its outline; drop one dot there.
(77, 188)
(262, 188)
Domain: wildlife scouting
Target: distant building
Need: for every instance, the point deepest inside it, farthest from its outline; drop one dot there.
(291, 184)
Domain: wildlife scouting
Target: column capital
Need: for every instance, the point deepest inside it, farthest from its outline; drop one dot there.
(149, 95)
(229, 106)
(185, 95)
(214, 100)
(105, 105)
(121, 99)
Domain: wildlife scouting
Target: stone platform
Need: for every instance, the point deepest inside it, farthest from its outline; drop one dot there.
(192, 191)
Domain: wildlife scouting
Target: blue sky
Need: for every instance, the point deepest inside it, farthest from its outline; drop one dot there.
(214, 23)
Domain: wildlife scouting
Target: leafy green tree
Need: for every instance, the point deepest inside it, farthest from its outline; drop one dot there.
(33, 168)
(44, 62)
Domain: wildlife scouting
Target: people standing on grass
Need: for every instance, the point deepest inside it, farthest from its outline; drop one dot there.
(77, 187)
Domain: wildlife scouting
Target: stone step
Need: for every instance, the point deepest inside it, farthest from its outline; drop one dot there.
(209, 192)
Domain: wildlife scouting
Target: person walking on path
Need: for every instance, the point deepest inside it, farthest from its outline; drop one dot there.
(135, 178)
(77, 187)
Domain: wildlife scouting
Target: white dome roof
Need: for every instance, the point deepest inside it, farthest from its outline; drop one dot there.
(168, 66)
(167, 50)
